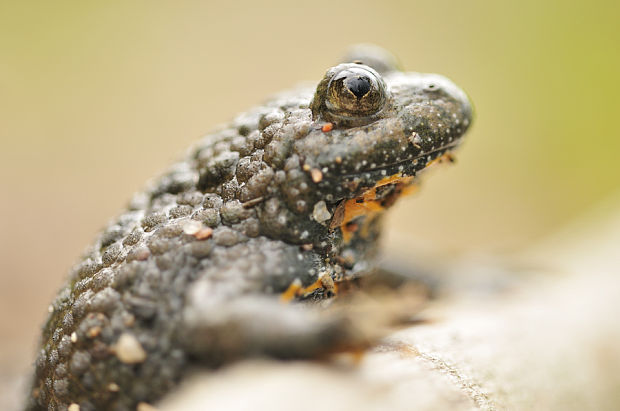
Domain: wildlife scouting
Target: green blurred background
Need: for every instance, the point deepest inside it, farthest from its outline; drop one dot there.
(96, 97)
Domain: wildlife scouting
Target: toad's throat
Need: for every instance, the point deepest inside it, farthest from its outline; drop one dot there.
(370, 204)
(374, 201)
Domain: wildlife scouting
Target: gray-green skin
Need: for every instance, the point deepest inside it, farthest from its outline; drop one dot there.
(193, 302)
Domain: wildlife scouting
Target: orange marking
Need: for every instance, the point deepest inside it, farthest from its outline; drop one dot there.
(314, 286)
(367, 205)
(327, 127)
(291, 292)
(296, 290)
(444, 157)
(398, 177)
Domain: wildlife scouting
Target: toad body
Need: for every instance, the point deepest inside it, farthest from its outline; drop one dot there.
(283, 204)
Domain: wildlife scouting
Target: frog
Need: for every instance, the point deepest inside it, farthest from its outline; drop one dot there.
(218, 259)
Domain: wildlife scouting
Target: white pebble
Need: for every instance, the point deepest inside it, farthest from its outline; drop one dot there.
(320, 213)
(128, 349)
(191, 227)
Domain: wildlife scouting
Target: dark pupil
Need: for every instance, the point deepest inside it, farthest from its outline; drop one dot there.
(358, 85)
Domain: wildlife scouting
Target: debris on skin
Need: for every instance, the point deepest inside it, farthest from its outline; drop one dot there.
(253, 202)
(320, 212)
(316, 175)
(129, 350)
(197, 230)
(415, 140)
(204, 233)
(191, 227)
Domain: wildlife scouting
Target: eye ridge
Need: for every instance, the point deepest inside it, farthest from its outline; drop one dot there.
(350, 95)
(354, 91)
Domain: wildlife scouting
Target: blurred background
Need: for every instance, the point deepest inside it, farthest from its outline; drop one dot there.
(97, 97)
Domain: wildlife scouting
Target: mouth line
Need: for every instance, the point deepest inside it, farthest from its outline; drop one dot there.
(401, 162)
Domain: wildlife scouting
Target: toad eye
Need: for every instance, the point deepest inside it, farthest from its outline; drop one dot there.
(350, 95)
(356, 92)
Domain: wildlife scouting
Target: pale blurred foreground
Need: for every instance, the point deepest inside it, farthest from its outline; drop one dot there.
(541, 335)
(545, 341)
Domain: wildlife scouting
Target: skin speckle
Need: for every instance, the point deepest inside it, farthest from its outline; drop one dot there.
(202, 255)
